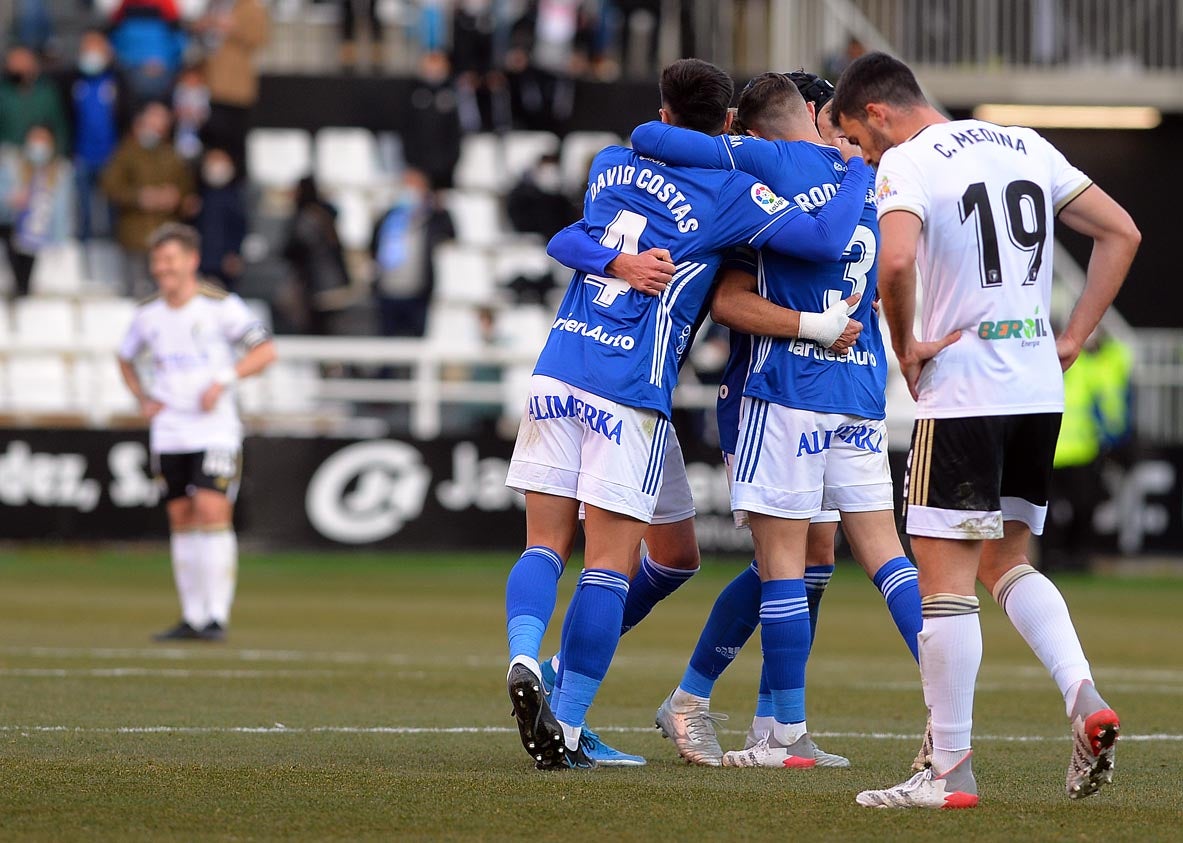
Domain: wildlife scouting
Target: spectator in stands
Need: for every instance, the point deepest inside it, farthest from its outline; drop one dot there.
(433, 132)
(191, 109)
(149, 185)
(482, 90)
(537, 204)
(28, 99)
(232, 32)
(315, 255)
(32, 25)
(36, 202)
(221, 221)
(837, 62)
(647, 15)
(403, 244)
(349, 33)
(149, 46)
(549, 48)
(98, 108)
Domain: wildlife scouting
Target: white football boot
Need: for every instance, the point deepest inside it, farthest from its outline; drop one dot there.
(1095, 728)
(955, 788)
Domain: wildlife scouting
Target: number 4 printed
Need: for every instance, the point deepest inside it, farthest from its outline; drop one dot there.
(624, 235)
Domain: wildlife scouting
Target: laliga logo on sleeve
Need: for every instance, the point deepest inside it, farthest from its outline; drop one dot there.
(768, 201)
(367, 492)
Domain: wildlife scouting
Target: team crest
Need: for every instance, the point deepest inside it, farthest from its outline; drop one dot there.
(768, 201)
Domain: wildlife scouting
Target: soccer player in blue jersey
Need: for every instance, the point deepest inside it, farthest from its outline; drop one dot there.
(812, 435)
(597, 417)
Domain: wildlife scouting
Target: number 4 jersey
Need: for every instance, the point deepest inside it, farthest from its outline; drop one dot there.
(987, 197)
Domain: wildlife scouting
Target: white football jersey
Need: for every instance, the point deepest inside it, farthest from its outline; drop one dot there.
(188, 346)
(987, 196)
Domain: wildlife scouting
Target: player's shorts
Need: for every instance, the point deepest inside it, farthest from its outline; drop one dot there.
(575, 444)
(674, 501)
(181, 475)
(966, 476)
(794, 463)
(826, 516)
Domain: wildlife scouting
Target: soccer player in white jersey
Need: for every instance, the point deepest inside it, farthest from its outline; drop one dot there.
(191, 331)
(971, 206)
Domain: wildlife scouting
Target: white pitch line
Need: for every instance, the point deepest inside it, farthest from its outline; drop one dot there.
(280, 729)
(160, 673)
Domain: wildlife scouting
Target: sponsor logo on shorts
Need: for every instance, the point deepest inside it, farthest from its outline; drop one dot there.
(545, 407)
(1030, 330)
(594, 332)
(860, 436)
(768, 201)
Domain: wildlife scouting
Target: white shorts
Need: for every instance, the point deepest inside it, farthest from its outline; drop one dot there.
(795, 463)
(826, 516)
(674, 501)
(575, 444)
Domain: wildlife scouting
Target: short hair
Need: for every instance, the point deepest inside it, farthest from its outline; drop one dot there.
(875, 77)
(769, 98)
(185, 236)
(697, 94)
(813, 88)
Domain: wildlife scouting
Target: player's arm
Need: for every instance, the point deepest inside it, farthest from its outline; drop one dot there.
(1115, 241)
(737, 305)
(682, 147)
(258, 357)
(131, 346)
(823, 237)
(575, 247)
(899, 234)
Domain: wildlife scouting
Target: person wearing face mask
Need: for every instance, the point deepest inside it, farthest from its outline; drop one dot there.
(232, 33)
(221, 220)
(402, 246)
(149, 185)
(28, 99)
(537, 204)
(98, 101)
(36, 202)
(191, 110)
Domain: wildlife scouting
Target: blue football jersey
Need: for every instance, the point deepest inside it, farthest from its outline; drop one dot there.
(622, 344)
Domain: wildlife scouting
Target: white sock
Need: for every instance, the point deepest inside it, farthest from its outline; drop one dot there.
(187, 551)
(532, 664)
(950, 654)
(787, 734)
(685, 701)
(763, 725)
(1038, 611)
(571, 735)
(220, 572)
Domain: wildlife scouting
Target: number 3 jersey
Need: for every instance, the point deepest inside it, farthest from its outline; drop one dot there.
(622, 344)
(188, 346)
(987, 197)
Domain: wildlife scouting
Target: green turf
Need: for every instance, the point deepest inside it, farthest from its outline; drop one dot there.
(417, 641)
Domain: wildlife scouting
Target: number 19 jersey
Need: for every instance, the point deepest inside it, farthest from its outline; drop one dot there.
(987, 197)
(624, 345)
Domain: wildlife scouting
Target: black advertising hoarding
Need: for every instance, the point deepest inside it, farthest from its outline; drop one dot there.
(444, 494)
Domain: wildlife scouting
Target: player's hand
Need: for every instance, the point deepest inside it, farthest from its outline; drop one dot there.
(649, 272)
(832, 328)
(1067, 350)
(848, 149)
(209, 398)
(912, 361)
(150, 408)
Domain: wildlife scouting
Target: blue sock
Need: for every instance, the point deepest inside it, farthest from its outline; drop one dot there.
(764, 698)
(901, 589)
(530, 595)
(590, 640)
(732, 621)
(817, 577)
(557, 690)
(652, 584)
(784, 620)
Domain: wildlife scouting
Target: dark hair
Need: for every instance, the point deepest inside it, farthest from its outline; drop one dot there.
(696, 93)
(875, 77)
(813, 88)
(185, 236)
(767, 99)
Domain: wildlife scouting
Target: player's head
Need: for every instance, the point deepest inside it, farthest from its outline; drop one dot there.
(771, 106)
(174, 252)
(815, 90)
(874, 93)
(695, 95)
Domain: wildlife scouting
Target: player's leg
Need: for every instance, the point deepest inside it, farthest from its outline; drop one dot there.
(1036, 607)
(819, 562)
(185, 545)
(876, 546)
(215, 489)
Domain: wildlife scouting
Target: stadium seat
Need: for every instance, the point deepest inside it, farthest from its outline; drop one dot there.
(453, 326)
(481, 165)
(59, 270)
(463, 275)
(5, 324)
(291, 386)
(523, 149)
(39, 383)
(346, 158)
(44, 323)
(579, 148)
(355, 218)
(99, 387)
(278, 158)
(103, 322)
(477, 216)
(523, 258)
(524, 329)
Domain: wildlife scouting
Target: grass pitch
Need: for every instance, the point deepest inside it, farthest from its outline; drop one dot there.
(363, 698)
